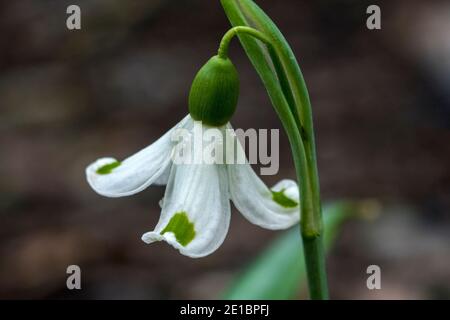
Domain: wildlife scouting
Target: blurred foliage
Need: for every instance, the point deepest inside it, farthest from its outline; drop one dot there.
(280, 269)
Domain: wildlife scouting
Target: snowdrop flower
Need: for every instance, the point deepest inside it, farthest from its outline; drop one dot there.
(196, 209)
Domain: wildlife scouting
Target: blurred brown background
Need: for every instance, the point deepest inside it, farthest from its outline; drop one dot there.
(381, 103)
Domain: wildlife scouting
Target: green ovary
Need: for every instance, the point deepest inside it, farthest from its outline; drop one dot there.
(181, 227)
(214, 92)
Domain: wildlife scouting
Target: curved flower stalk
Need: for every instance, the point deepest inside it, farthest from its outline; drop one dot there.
(195, 212)
(278, 69)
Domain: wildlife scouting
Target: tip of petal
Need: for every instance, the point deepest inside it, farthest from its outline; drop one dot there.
(168, 237)
(92, 169)
(150, 237)
(289, 188)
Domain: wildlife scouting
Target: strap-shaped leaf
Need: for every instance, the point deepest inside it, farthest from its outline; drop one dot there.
(288, 70)
(283, 80)
(281, 75)
(257, 53)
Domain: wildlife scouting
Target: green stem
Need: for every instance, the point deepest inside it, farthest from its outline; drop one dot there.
(303, 151)
(226, 39)
(315, 267)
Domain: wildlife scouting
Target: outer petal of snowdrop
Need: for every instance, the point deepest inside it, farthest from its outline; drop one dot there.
(276, 208)
(111, 178)
(196, 210)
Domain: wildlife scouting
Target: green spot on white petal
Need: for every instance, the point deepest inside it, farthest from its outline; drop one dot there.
(181, 227)
(108, 168)
(283, 200)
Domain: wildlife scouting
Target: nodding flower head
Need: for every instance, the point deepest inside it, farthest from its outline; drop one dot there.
(196, 210)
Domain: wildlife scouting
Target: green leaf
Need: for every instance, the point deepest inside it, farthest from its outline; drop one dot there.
(266, 67)
(280, 73)
(279, 270)
(283, 80)
(283, 61)
(258, 55)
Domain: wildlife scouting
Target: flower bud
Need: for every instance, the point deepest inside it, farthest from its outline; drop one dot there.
(214, 92)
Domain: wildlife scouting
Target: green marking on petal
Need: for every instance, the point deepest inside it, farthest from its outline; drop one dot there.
(108, 168)
(182, 228)
(280, 198)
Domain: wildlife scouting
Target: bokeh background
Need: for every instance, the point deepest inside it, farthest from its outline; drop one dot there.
(381, 103)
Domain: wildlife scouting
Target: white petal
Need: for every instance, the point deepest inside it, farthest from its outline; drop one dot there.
(276, 208)
(134, 174)
(163, 177)
(196, 210)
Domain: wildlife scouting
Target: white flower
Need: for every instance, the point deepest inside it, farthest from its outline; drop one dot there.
(196, 206)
